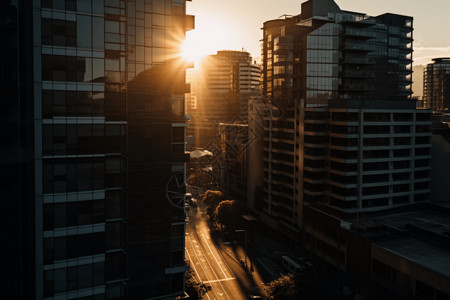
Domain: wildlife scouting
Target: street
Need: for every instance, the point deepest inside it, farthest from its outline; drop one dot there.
(208, 262)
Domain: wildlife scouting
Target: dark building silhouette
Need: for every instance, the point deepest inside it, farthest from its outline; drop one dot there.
(93, 139)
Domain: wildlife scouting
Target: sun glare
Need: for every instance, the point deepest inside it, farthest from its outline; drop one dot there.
(191, 50)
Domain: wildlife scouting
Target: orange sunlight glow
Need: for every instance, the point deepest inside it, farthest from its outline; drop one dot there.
(192, 50)
(211, 34)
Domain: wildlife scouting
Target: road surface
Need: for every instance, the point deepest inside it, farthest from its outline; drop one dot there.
(207, 261)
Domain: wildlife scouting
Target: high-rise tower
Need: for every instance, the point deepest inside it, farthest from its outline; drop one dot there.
(94, 129)
(341, 130)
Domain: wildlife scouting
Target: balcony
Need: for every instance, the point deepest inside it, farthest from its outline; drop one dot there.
(357, 74)
(357, 60)
(358, 47)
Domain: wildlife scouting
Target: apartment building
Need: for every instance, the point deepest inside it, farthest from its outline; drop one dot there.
(436, 83)
(342, 129)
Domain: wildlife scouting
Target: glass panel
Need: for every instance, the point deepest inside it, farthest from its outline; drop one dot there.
(148, 55)
(84, 5)
(158, 55)
(158, 37)
(112, 26)
(84, 276)
(148, 20)
(84, 69)
(47, 32)
(60, 280)
(58, 4)
(98, 70)
(97, 7)
(158, 6)
(84, 31)
(158, 20)
(98, 33)
(99, 273)
(139, 53)
(71, 5)
(46, 3)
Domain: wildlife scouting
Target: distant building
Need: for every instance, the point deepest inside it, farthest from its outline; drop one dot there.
(436, 85)
(221, 89)
(93, 135)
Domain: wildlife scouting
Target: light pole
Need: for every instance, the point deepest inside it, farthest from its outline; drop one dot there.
(245, 243)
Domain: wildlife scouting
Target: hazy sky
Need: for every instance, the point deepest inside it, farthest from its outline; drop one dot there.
(235, 24)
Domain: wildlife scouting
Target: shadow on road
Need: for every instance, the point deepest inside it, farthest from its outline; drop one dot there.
(244, 275)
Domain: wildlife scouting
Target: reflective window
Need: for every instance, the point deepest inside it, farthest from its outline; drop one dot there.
(158, 37)
(98, 33)
(158, 6)
(84, 5)
(84, 28)
(97, 7)
(158, 20)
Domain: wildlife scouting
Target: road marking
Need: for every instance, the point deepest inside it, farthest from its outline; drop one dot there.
(195, 270)
(218, 280)
(223, 289)
(211, 252)
(212, 270)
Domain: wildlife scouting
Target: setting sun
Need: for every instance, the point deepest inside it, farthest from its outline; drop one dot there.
(193, 49)
(211, 34)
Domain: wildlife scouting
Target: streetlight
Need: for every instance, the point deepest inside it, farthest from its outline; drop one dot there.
(245, 243)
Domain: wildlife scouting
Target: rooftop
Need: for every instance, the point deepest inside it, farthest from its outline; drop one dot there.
(441, 59)
(419, 235)
(421, 252)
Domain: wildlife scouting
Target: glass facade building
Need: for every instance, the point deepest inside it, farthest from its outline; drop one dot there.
(326, 73)
(95, 113)
(436, 83)
(337, 55)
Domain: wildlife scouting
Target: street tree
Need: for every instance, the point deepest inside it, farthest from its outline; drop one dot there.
(283, 288)
(228, 214)
(193, 287)
(211, 199)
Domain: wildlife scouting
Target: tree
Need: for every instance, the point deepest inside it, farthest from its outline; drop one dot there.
(283, 288)
(228, 214)
(193, 287)
(212, 199)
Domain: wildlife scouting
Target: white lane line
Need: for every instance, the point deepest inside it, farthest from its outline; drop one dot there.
(201, 265)
(215, 274)
(226, 279)
(207, 244)
(220, 283)
(200, 280)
